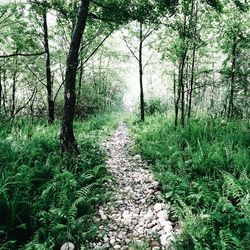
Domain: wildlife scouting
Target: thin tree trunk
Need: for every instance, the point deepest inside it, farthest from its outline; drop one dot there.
(67, 138)
(80, 81)
(181, 72)
(1, 88)
(211, 108)
(49, 86)
(174, 88)
(141, 76)
(13, 98)
(182, 90)
(178, 98)
(192, 82)
(231, 96)
(4, 92)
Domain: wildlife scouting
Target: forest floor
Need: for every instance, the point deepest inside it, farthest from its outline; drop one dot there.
(136, 217)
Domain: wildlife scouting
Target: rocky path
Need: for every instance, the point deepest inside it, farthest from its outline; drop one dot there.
(136, 216)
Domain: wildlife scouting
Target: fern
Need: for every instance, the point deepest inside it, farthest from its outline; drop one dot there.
(231, 188)
(204, 173)
(228, 241)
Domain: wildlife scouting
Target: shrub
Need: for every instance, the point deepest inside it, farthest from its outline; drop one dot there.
(154, 106)
(204, 173)
(47, 198)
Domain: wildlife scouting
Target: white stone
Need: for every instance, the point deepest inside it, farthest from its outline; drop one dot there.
(167, 226)
(134, 222)
(112, 241)
(126, 214)
(127, 241)
(137, 157)
(67, 246)
(162, 215)
(148, 215)
(154, 229)
(106, 238)
(163, 239)
(117, 247)
(140, 230)
(121, 235)
(159, 206)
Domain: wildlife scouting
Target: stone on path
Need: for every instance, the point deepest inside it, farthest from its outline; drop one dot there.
(67, 246)
(136, 212)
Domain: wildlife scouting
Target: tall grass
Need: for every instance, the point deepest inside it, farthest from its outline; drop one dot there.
(204, 172)
(45, 197)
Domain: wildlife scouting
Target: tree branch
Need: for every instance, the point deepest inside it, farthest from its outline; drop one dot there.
(22, 54)
(131, 51)
(97, 48)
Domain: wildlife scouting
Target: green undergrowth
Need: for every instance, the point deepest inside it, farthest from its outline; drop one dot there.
(204, 173)
(47, 198)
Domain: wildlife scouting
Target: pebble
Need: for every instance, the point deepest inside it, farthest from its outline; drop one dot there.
(136, 212)
(67, 246)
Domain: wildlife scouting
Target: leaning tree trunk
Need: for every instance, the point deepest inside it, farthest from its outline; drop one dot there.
(49, 86)
(141, 76)
(67, 138)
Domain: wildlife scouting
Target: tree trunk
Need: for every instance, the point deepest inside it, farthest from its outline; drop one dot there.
(178, 97)
(13, 98)
(1, 88)
(80, 81)
(231, 96)
(141, 76)
(67, 138)
(182, 94)
(181, 87)
(192, 82)
(4, 91)
(49, 86)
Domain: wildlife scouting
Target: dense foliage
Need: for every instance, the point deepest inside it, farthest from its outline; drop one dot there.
(68, 59)
(45, 197)
(204, 172)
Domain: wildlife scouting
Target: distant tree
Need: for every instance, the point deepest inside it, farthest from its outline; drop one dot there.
(141, 33)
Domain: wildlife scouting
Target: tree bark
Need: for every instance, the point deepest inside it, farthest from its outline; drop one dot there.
(49, 85)
(67, 138)
(80, 81)
(141, 76)
(13, 99)
(4, 91)
(1, 88)
(192, 82)
(231, 96)
(178, 97)
(182, 87)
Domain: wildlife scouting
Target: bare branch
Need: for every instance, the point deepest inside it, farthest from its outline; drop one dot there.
(97, 48)
(129, 47)
(22, 54)
(21, 108)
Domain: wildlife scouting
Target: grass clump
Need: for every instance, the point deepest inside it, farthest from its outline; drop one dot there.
(47, 198)
(204, 173)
